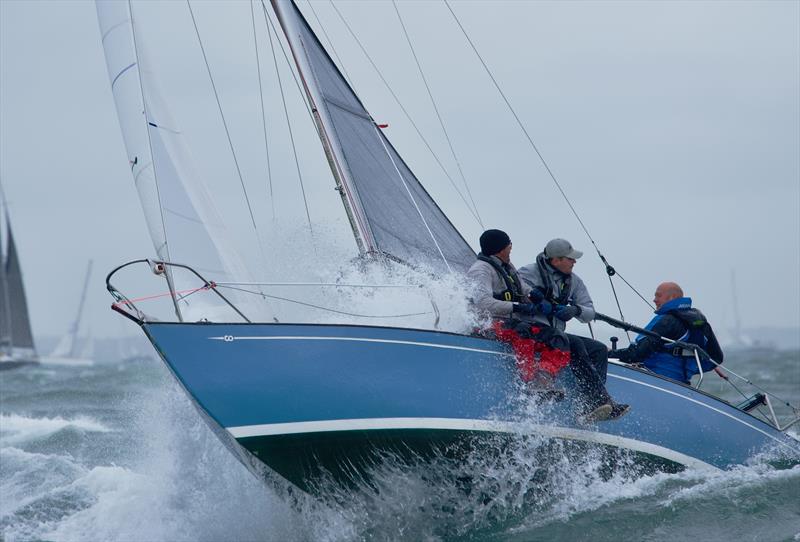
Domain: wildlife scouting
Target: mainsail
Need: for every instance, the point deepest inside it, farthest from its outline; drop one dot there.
(5, 308)
(16, 337)
(20, 322)
(388, 207)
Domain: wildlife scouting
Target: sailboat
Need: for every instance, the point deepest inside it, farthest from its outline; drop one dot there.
(16, 339)
(308, 400)
(741, 343)
(71, 349)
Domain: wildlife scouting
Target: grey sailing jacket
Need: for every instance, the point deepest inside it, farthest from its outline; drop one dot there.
(487, 283)
(578, 293)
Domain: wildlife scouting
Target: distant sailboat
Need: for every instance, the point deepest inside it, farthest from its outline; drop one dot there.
(16, 338)
(70, 350)
(741, 343)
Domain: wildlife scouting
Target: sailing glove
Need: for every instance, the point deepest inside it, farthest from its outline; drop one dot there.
(544, 308)
(625, 355)
(565, 313)
(536, 295)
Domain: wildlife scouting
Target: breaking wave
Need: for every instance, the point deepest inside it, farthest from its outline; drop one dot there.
(16, 429)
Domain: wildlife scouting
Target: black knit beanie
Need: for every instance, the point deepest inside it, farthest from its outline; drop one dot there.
(493, 241)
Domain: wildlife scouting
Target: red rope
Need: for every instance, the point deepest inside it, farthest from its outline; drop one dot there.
(179, 293)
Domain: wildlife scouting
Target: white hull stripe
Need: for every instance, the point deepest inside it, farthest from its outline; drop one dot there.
(367, 424)
(231, 338)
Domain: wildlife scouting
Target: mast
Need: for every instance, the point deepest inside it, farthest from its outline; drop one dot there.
(6, 339)
(333, 151)
(77, 323)
(737, 330)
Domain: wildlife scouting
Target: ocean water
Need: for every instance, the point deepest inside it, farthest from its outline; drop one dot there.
(116, 452)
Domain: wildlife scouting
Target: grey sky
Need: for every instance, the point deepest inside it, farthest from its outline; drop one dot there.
(674, 127)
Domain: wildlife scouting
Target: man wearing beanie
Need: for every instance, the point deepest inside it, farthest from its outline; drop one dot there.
(552, 277)
(499, 291)
(502, 295)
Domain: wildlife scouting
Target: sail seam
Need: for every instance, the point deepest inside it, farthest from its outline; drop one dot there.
(345, 108)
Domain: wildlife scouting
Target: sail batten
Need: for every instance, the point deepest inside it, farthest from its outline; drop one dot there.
(388, 207)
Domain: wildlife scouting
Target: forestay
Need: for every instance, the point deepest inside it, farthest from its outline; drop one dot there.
(388, 207)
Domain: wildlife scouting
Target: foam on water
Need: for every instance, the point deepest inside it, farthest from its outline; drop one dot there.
(16, 429)
(142, 465)
(182, 484)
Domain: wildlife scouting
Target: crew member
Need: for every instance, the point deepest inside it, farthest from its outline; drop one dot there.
(675, 319)
(551, 279)
(501, 294)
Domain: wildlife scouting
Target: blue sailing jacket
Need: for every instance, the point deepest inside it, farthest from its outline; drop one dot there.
(677, 319)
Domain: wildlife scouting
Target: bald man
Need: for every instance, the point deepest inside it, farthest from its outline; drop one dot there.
(675, 319)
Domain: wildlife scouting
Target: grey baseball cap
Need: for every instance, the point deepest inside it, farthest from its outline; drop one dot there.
(561, 248)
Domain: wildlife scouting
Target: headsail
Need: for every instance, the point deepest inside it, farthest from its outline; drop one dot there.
(388, 207)
(184, 224)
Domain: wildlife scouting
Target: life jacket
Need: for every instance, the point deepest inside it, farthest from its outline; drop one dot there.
(513, 291)
(553, 293)
(677, 362)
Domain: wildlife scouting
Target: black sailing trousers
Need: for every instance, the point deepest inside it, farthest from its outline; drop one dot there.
(589, 365)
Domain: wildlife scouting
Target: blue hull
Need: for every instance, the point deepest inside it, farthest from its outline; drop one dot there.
(301, 398)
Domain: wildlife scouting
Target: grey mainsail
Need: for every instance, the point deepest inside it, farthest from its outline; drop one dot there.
(21, 335)
(388, 207)
(5, 307)
(16, 338)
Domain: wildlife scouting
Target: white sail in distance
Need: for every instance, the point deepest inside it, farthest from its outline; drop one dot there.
(66, 347)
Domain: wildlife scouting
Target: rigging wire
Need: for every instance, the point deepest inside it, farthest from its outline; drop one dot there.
(268, 22)
(286, 113)
(324, 308)
(609, 270)
(263, 112)
(224, 123)
(405, 112)
(438, 114)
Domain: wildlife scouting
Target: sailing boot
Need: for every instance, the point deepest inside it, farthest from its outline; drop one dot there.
(618, 410)
(595, 413)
